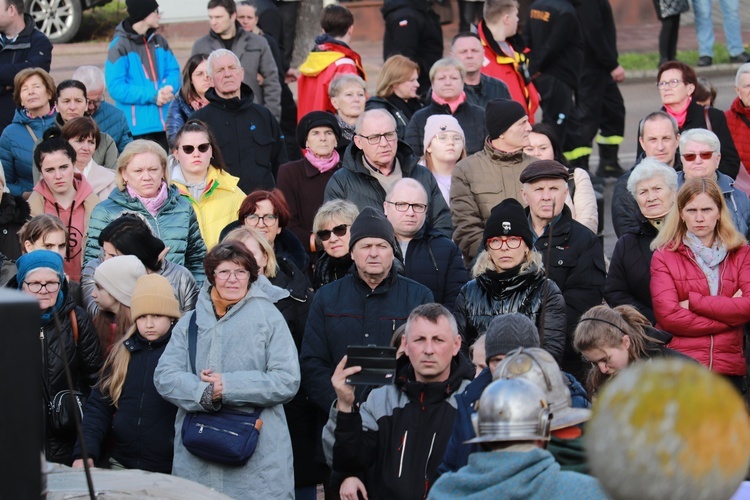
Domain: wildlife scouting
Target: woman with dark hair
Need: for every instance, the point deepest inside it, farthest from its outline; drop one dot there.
(396, 92)
(72, 103)
(63, 192)
(192, 96)
(200, 177)
(582, 198)
(245, 359)
(83, 134)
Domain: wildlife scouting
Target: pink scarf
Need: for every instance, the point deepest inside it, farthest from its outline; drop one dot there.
(453, 104)
(679, 114)
(322, 164)
(153, 205)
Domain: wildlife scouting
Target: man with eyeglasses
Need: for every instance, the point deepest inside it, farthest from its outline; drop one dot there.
(571, 253)
(375, 161)
(429, 257)
(110, 119)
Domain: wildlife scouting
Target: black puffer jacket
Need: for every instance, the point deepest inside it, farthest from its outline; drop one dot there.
(85, 361)
(469, 116)
(402, 120)
(491, 294)
(14, 212)
(328, 269)
(629, 276)
(142, 423)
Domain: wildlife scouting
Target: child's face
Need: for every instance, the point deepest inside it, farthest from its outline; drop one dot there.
(153, 326)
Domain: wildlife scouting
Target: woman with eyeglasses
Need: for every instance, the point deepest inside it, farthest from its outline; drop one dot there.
(201, 178)
(677, 82)
(509, 278)
(245, 360)
(304, 181)
(331, 228)
(444, 142)
(40, 275)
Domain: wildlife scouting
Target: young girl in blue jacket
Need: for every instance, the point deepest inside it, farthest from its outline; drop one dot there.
(125, 401)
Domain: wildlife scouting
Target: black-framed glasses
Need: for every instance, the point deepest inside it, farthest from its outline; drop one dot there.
(705, 155)
(375, 138)
(268, 219)
(673, 83)
(239, 274)
(36, 287)
(189, 148)
(402, 206)
(512, 242)
(340, 231)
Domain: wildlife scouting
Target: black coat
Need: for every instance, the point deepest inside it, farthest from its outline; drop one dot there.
(142, 423)
(487, 90)
(14, 212)
(436, 262)
(491, 294)
(469, 116)
(248, 136)
(599, 34)
(629, 274)
(400, 114)
(286, 245)
(329, 269)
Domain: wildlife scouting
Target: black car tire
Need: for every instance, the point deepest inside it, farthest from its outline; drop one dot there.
(58, 19)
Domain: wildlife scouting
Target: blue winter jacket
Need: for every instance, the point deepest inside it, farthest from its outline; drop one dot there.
(737, 201)
(175, 224)
(137, 67)
(179, 112)
(16, 147)
(112, 121)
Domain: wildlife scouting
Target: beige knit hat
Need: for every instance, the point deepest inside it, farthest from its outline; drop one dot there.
(153, 294)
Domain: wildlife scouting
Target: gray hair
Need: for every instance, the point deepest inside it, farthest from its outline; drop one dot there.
(216, 54)
(431, 312)
(90, 76)
(338, 84)
(649, 168)
(701, 136)
(745, 68)
(364, 116)
(656, 115)
(343, 210)
(448, 63)
(405, 181)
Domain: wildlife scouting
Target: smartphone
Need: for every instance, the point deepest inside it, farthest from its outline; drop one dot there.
(378, 365)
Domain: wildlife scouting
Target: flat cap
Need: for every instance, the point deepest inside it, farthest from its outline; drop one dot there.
(544, 169)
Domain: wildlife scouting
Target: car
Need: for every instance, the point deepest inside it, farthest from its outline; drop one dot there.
(60, 19)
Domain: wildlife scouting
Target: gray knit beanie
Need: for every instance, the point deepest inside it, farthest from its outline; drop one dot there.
(508, 332)
(118, 276)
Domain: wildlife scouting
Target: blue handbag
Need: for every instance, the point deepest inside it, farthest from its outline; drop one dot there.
(227, 436)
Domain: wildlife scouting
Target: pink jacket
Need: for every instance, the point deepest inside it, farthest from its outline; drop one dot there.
(711, 330)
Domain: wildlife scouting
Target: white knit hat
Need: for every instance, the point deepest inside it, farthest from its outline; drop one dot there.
(118, 276)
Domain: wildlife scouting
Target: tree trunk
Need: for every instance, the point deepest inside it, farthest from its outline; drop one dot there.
(308, 27)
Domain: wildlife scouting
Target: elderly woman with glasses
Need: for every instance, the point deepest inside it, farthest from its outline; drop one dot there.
(677, 82)
(331, 228)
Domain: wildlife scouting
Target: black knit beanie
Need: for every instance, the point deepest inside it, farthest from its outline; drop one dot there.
(500, 114)
(316, 119)
(371, 224)
(508, 218)
(138, 10)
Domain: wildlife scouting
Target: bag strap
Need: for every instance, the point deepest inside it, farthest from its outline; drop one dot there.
(743, 118)
(192, 340)
(708, 120)
(74, 324)
(31, 133)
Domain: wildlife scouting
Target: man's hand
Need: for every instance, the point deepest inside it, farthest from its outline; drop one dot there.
(618, 74)
(344, 391)
(350, 487)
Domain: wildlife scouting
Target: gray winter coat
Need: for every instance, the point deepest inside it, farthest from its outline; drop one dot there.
(253, 350)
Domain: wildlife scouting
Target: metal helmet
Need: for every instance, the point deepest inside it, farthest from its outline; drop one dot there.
(512, 410)
(539, 367)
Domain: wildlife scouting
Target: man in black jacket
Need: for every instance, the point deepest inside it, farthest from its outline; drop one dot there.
(23, 46)
(480, 89)
(248, 135)
(572, 254)
(429, 257)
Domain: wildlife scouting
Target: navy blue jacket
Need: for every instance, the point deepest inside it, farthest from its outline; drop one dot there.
(142, 423)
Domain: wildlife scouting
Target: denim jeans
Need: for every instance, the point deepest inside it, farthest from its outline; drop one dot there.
(704, 28)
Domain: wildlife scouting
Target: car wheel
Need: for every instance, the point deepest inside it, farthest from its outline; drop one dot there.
(58, 19)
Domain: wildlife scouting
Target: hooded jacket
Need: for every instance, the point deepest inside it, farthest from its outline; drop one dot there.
(256, 59)
(248, 136)
(175, 224)
(137, 67)
(217, 206)
(14, 212)
(328, 59)
(402, 430)
(355, 183)
(469, 116)
(711, 330)
(16, 149)
(75, 217)
(738, 121)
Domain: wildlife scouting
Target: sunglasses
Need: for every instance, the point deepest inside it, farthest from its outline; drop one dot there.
(325, 234)
(705, 155)
(188, 148)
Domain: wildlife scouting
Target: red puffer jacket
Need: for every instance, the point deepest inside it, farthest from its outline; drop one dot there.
(711, 330)
(740, 129)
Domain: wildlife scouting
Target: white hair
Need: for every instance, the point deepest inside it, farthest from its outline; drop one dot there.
(649, 168)
(216, 54)
(701, 136)
(90, 76)
(745, 68)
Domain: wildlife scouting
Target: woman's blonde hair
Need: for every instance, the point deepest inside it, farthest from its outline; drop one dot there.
(137, 147)
(115, 369)
(242, 233)
(484, 263)
(674, 230)
(396, 69)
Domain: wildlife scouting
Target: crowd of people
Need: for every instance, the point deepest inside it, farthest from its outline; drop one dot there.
(213, 248)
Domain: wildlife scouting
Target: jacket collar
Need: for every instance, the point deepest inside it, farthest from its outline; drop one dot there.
(235, 103)
(353, 159)
(502, 156)
(432, 392)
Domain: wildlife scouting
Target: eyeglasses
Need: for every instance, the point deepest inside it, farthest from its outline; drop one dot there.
(446, 137)
(94, 102)
(268, 220)
(512, 242)
(36, 287)
(325, 234)
(402, 206)
(705, 155)
(375, 138)
(239, 274)
(673, 83)
(189, 148)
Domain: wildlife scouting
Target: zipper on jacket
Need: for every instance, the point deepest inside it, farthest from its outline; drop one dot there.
(427, 464)
(403, 450)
